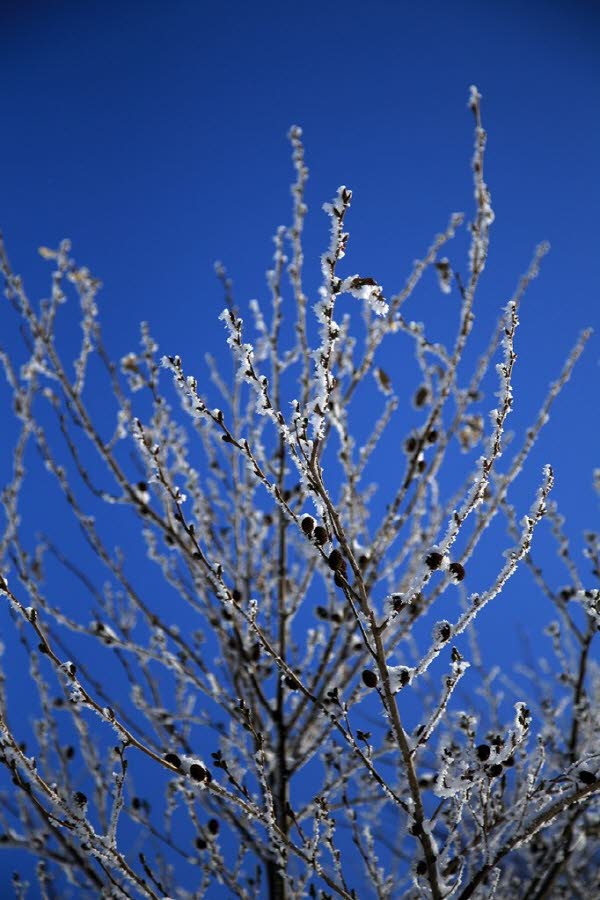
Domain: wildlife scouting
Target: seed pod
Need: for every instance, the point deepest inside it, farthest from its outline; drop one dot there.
(336, 561)
(198, 772)
(457, 570)
(173, 759)
(80, 798)
(320, 535)
(442, 632)
(410, 444)
(369, 678)
(434, 560)
(495, 770)
(338, 580)
(307, 525)
(483, 752)
(586, 776)
(404, 677)
(213, 826)
(421, 396)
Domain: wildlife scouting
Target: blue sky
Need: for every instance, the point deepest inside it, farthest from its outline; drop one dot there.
(154, 136)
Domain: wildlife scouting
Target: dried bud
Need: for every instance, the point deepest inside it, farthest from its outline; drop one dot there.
(80, 798)
(173, 759)
(320, 535)
(336, 561)
(421, 396)
(483, 752)
(307, 525)
(291, 682)
(495, 770)
(442, 632)
(404, 677)
(457, 570)
(213, 826)
(434, 560)
(369, 678)
(586, 776)
(338, 580)
(410, 444)
(197, 772)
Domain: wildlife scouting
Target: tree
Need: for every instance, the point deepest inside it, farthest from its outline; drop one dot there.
(222, 704)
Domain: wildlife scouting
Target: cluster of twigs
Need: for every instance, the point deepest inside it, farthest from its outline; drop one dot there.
(234, 718)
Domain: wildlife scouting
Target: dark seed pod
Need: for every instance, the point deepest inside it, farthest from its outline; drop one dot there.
(213, 826)
(307, 525)
(320, 535)
(421, 867)
(321, 612)
(173, 759)
(442, 632)
(80, 798)
(510, 761)
(495, 770)
(457, 570)
(421, 396)
(291, 682)
(404, 677)
(410, 444)
(369, 678)
(434, 560)
(586, 776)
(336, 561)
(483, 752)
(338, 580)
(197, 772)
(200, 843)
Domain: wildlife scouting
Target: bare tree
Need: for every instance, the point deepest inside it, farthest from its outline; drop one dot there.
(219, 706)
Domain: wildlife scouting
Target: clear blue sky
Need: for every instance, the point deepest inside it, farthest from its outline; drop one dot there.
(153, 135)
